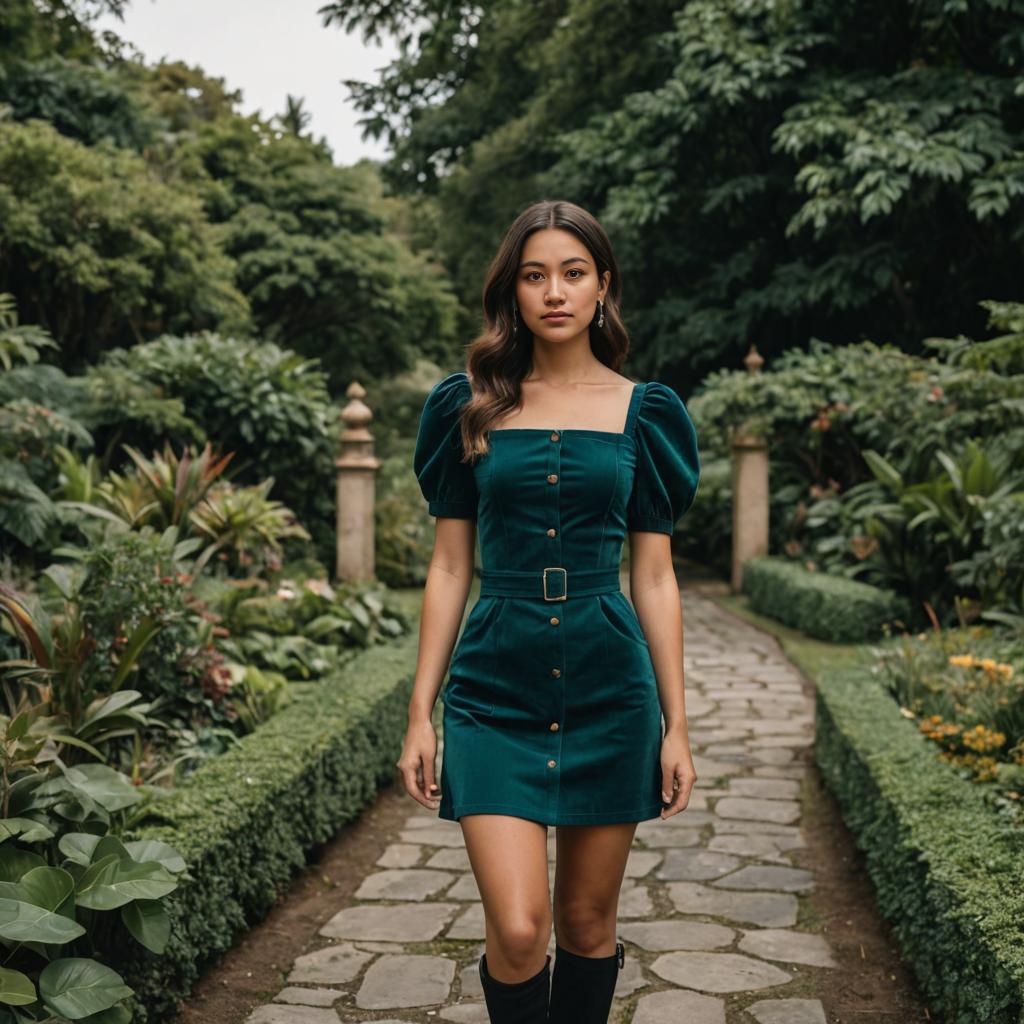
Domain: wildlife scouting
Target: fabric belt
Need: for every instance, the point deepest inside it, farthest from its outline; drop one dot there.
(552, 583)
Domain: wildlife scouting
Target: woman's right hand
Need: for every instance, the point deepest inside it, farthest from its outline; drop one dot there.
(417, 763)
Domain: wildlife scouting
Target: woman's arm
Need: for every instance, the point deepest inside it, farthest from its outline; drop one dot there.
(449, 580)
(654, 591)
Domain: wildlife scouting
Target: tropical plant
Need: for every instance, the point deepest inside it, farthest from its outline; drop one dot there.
(63, 873)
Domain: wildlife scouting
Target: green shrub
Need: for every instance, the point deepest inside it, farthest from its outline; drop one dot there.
(947, 871)
(823, 606)
(266, 404)
(246, 822)
(898, 470)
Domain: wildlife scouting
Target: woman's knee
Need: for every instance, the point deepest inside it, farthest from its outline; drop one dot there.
(520, 937)
(584, 927)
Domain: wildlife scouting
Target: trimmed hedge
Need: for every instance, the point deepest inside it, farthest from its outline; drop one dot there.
(827, 607)
(948, 873)
(244, 821)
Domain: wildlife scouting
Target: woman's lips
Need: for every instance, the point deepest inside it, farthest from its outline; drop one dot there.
(556, 317)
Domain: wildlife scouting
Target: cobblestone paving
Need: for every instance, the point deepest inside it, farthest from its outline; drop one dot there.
(708, 907)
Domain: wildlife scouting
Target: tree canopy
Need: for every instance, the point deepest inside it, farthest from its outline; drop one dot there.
(768, 171)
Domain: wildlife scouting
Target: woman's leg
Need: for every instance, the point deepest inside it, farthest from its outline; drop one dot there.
(509, 858)
(589, 867)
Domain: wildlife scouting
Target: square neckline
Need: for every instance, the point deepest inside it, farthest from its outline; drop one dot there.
(627, 432)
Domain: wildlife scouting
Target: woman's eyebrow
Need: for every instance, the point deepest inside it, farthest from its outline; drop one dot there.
(539, 263)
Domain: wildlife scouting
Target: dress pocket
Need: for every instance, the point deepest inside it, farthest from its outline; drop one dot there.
(470, 685)
(620, 617)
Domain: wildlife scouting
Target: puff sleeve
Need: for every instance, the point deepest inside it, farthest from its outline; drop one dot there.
(448, 484)
(668, 462)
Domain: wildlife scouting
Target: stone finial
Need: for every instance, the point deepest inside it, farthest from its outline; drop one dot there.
(753, 360)
(356, 415)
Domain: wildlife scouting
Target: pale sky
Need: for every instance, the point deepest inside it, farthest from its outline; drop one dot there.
(267, 49)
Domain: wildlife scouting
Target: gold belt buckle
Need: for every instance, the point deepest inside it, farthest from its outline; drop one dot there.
(565, 582)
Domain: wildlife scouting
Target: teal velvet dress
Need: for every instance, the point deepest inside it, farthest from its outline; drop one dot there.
(551, 707)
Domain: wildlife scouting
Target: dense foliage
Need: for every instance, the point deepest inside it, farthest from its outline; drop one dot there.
(898, 470)
(769, 171)
(137, 200)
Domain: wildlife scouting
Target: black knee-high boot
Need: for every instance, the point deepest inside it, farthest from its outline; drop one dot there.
(516, 1002)
(582, 986)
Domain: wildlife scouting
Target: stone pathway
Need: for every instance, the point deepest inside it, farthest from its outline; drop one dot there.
(710, 909)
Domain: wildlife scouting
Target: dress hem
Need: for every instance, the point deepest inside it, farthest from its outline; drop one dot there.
(589, 818)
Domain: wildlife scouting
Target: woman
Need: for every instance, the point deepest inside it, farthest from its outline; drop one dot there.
(557, 688)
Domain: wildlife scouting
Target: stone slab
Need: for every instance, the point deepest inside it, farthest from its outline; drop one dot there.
(400, 855)
(766, 789)
(398, 922)
(718, 972)
(308, 996)
(403, 884)
(781, 812)
(406, 979)
(696, 864)
(768, 909)
(331, 965)
(676, 1007)
(282, 1013)
(769, 877)
(791, 946)
(787, 1011)
(667, 936)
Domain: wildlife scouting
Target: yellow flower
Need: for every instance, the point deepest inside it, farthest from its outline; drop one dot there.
(963, 660)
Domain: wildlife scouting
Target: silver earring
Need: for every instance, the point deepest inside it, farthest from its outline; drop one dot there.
(600, 322)
(515, 319)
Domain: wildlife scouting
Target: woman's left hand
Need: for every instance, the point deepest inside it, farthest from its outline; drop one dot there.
(676, 771)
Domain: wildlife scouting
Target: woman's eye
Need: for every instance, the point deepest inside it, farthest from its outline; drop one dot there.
(572, 270)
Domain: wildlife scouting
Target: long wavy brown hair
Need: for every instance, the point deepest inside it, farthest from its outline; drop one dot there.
(499, 358)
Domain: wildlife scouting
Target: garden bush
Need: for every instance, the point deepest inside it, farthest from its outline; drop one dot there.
(823, 606)
(246, 822)
(912, 482)
(947, 871)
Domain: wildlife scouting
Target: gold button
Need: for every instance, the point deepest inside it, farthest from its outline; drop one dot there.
(554, 727)
(551, 764)
(554, 437)
(556, 672)
(552, 478)
(551, 531)
(554, 620)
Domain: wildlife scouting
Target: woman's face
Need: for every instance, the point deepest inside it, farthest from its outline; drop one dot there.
(557, 274)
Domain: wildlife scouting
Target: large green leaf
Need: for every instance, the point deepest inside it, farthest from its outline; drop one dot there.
(78, 846)
(153, 849)
(112, 881)
(119, 1014)
(16, 989)
(15, 862)
(148, 922)
(51, 888)
(23, 921)
(111, 789)
(30, 831)
(78, 987)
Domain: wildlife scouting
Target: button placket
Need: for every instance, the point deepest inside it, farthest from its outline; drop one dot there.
(555, 627)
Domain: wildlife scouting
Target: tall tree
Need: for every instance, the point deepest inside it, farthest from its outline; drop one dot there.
(768, 171)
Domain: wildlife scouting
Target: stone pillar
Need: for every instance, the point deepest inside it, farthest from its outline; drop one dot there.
(356, 468)
(749, 490)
